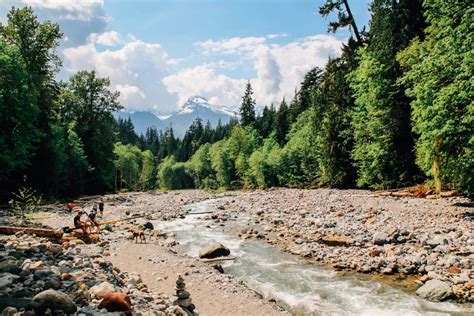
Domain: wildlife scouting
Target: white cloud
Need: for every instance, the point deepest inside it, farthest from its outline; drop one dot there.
(276, 35)
(130, 94)
(111, 38)
(135, 69)
(279, 68)
(70, 9)
(233, 45)
(203, 80)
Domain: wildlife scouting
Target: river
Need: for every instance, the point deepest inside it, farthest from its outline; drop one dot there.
(299, 286)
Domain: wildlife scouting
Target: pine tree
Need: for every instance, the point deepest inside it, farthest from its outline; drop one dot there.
(281, 123)
(333, 103)
(345, 17)
(247, 109)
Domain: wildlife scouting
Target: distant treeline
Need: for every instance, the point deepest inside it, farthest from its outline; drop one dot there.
(395, 109)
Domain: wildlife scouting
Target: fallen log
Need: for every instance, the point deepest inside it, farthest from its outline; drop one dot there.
(113, 221)
(41, 232)
(217, 259)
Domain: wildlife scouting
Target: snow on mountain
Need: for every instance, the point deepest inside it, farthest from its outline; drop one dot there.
(198, 107)
(195, 102)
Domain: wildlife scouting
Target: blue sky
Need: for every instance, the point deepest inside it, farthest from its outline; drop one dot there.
(159, 53)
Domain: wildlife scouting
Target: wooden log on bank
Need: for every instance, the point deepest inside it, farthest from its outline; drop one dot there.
(113, 221)
(217, 259)
(41, 232)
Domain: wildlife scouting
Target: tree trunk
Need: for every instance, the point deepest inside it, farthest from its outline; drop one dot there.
(436, 175)
(353, 23)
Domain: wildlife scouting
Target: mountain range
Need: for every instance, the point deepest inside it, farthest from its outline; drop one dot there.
(195, 106)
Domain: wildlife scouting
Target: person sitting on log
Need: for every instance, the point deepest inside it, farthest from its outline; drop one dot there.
(78, 223)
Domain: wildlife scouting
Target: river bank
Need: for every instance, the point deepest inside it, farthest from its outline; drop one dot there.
(348, 230)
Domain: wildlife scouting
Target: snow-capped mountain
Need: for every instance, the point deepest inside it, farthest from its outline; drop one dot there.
(194, 107)
(198, 107)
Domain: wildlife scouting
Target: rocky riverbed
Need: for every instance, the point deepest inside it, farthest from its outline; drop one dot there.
(358, 230)
(428, 240)
(39, 275)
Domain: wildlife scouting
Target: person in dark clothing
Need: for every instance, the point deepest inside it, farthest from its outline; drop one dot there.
(101, 209)
(78, 223)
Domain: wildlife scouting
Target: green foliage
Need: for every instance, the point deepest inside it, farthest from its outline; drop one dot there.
(36, 42)
(19, 111)
(344, 16)
(221, 164)
(172, 175)
(439, 73)
(281, 123)
(333, 103)
(299, 157)
(135, 169)
(264, 164)
(242, 142)
(381, 121)
(375, 125)
(88, 99)
(200, 169)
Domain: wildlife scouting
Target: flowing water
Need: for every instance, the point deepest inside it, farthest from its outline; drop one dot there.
(302, 288)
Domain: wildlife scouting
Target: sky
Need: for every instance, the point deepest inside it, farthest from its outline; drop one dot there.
(158, 53)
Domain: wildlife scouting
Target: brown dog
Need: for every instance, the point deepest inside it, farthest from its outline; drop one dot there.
(139, 234)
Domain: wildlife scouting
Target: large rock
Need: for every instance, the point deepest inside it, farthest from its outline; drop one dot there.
(54, 300)
(116, 302)
(379, 238)
(435, 290)
(7, 279)
(214, 251)
(10, 266)
(336, 240)
(102, 290)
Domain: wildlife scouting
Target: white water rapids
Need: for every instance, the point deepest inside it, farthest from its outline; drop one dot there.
(302, 288)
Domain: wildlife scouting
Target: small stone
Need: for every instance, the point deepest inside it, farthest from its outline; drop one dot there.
(102, 290)
(116, 302)
(454, 270)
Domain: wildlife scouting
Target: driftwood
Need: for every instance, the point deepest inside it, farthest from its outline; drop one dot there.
(42, 232)
(113, 221)
(217, 259)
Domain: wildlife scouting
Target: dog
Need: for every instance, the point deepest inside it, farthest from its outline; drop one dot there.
(139, 234)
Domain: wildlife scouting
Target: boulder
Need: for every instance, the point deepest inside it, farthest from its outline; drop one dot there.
(102, 290)
(336, 240)
(214, 251)
(380, 238)
(54, 300)
(10, 265)
(8, 311)
(435, 290)
(116, 302)
(7, 279)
